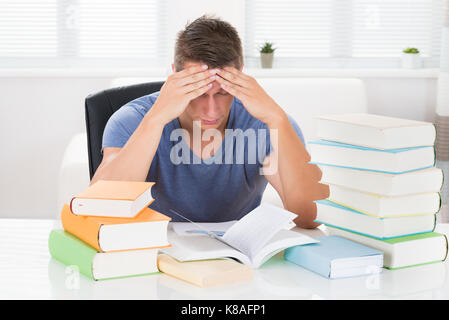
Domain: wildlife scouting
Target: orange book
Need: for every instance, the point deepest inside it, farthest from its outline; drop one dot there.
(124, 199)
(146, 230)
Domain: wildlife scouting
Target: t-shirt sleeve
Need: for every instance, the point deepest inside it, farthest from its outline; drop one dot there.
(297, 130)
(121, 125)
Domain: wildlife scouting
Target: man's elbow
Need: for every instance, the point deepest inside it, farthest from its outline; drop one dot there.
(305, 206)
(306, 216)
(307, 224)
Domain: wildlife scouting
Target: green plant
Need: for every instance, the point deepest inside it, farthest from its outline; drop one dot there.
(267, 47)
(411, 50)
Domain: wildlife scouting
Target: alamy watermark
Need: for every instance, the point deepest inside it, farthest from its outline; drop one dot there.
(239, 147)
(72, 281)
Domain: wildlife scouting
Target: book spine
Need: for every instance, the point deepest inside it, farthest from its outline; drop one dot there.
(300, 256)
(369, 170)
(82, 227)
(71, 251)
(71, 206)
(166, 266)
(442, 178)
(447, 248)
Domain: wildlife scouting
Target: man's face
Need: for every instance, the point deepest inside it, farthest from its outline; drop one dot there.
(212, 108)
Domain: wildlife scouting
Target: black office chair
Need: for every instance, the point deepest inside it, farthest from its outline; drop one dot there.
(100, 106)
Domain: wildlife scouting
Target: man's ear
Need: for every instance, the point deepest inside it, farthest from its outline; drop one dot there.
(173, 67)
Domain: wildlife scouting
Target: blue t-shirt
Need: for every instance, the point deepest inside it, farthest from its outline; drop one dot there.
(224, 187)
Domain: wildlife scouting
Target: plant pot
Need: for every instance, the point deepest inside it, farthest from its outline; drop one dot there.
(411, 60)
(266, 59)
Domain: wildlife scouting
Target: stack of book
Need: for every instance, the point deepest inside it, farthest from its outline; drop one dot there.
(109, 231)
(384, 188)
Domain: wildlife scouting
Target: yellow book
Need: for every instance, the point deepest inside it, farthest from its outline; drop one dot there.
(205, 273)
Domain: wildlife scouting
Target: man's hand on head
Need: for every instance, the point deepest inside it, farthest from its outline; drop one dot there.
(179, 89)
(245, 88)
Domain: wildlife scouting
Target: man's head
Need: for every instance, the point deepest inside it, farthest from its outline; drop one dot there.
(209, 40)
(216, 43)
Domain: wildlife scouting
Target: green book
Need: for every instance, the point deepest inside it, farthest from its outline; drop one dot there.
(95, 265)
(402, 252)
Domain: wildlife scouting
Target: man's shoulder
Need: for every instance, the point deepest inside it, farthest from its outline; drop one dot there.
(142, 104)
(127, 118)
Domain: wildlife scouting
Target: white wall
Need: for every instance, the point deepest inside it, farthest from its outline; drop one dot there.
(39, 115)
(404, 98)
(37, 118)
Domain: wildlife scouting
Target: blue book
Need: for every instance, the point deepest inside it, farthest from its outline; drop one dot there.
(336, 257)
(393, 161)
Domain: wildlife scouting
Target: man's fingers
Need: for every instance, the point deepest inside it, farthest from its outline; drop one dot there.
(234, 92)
(199, 91)
(196, 85)
(238, 73)
(231, 87)
(195, 77)
(233, 77)
(189, 71)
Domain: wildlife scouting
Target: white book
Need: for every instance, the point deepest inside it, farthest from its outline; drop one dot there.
(335, 215)
(375, 131)
(403, 251)
(386, 206)
(390, 161)
(252, 240)
(121, 199)
(386, 184)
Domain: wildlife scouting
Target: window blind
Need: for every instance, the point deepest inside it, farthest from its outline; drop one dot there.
(344, 29)
(28, 28)
(82, 33)
(132, 33)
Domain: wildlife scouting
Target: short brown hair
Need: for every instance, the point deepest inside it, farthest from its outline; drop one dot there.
(211, 41)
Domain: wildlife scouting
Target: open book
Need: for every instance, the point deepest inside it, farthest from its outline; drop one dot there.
(252, 240)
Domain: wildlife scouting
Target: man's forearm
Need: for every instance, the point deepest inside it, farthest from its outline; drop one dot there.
(133, 161)
(299, 179)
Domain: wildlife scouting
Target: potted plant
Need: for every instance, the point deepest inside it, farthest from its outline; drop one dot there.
(267, 54)
(411, 58)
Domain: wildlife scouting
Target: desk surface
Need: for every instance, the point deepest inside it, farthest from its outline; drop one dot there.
(28, 272)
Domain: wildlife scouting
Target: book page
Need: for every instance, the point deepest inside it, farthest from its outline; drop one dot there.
(251, 233)
(282, 240)
(200, 247)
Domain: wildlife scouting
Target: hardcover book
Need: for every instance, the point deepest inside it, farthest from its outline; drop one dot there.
(205, 273)
(428, 180)
(336, 257)
(147, 230)
(389, 161)
(335, 215)
(376, 131)
(96, 265)
(405, 251)
(386, 206)
(123, 199)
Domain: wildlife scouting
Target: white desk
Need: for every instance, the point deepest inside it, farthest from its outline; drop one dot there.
(28, 272)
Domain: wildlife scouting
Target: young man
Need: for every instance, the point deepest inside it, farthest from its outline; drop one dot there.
(174, 137)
